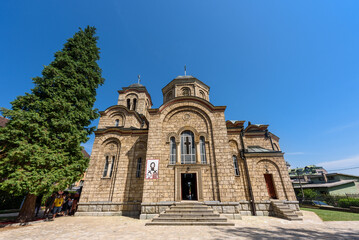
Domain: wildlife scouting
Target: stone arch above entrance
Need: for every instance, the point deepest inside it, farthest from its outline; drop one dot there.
(270, 173)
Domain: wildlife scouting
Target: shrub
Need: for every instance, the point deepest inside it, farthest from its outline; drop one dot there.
(348, 202)
(308, 194)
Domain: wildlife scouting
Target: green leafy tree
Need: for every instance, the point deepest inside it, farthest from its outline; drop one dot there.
(40, 146)
(309, 194)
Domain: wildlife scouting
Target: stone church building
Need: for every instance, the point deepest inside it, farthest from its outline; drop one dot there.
(144, 160)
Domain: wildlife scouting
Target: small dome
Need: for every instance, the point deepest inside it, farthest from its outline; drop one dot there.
(135, 85)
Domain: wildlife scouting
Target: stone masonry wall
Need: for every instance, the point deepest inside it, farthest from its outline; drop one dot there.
(122, 186)
(260, 165)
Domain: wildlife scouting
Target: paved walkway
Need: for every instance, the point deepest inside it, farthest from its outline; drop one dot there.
(128, 228)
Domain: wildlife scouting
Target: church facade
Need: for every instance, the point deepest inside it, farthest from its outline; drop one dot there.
(144, 160)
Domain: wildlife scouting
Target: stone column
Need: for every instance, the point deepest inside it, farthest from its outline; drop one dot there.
(178, 152)
(198, 153)
(109, 167)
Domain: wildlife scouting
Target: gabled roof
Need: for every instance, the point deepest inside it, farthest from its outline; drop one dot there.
(234, 124)
(258, 149)
(325, 185)
(256, 128)
(342, 174)
(85, 153)
(3, 121)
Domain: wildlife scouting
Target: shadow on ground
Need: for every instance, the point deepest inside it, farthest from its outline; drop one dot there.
(282, 233)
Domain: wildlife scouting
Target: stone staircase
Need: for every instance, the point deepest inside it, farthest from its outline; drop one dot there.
(189, 213)
(283, 211)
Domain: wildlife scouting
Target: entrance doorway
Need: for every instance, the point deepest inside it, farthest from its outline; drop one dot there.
(270, 186)
(189, 186)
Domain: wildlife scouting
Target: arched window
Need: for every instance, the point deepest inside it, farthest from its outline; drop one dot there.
(128, 103)
(138, 169)
(117, 122)
(235, 163)
(107, 172)
(106, 167)
(188, 150)
(169, 96)
(201, 93)
(134, 103)
(173, 155)
(202, 145)
(186, 91)
(276, 147)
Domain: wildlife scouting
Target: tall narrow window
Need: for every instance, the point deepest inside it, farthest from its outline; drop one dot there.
(138, 169)
(106, 167)
(111, 166)
(117, 122)
(188, 150)
(235, 163)
(134, 103)
(173, 155)
(202, 146)
(128, 104)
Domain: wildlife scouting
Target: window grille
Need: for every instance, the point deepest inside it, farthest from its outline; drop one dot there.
(188, 150)
(106, 167)
(112, 163)
(138, 169)
(203, 150)
(173, 155)
(235, 162)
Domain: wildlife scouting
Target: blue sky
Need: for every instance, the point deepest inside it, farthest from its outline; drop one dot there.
(290, 64)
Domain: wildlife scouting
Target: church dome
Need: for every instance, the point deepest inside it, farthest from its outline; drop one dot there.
(185, 86)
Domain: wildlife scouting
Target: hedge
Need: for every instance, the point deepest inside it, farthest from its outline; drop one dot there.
(348, 202)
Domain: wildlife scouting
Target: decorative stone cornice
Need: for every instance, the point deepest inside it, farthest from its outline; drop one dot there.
(263, 154)
(198, 100)
(122, 131)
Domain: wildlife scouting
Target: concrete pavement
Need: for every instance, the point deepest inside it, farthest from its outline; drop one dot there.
(128, 228)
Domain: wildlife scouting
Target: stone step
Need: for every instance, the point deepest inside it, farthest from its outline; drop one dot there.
(295, 219)
(189, 206)
(282, 206)
(284, 211)
(165, 214)
(189, 210)
(190, 219)
(189, 223)
(287, 210)
(189, 203)
(189, 213)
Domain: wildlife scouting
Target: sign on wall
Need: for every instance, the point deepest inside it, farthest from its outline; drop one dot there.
(152, 169)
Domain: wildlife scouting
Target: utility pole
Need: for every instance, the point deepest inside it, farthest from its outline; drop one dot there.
(300, 184)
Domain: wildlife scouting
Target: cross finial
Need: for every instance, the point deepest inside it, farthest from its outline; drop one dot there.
(185, 70)
(138, 78)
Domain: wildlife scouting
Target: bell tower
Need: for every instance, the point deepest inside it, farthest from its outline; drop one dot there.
(135, 97)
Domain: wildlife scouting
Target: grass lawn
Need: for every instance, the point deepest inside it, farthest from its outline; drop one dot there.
(327, 215)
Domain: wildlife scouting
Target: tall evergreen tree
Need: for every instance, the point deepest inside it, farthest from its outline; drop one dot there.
(40, 148)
